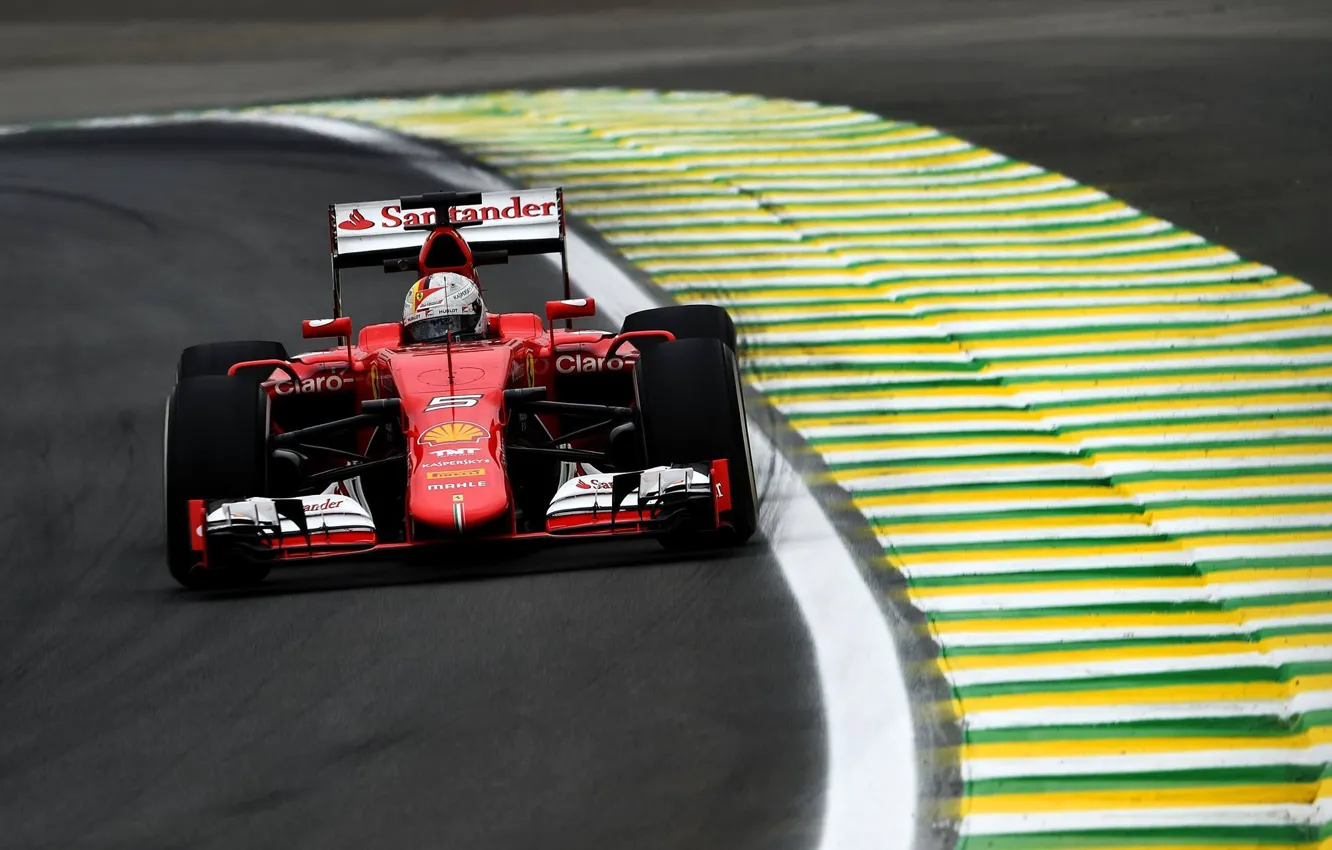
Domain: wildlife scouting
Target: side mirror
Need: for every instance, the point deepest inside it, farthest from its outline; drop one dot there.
(326, 328)
(574, 308)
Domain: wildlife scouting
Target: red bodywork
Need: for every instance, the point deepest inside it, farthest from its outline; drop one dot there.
(454, 420)
(455, 429)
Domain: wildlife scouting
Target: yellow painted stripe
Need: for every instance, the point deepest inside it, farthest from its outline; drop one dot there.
(1140, 798)
(1230, 692)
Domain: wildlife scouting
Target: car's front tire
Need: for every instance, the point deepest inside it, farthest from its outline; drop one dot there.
(216, 358)
(215, 447)
(685, 321)
(692, 410)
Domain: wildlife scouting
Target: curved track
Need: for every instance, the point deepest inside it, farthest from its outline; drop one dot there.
(620, 699)
(667, 705)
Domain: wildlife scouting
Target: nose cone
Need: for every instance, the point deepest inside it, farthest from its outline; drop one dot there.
(458, 482)
(454, 406)
(457, 496)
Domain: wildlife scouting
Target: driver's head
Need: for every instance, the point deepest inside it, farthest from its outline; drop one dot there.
(440, 304)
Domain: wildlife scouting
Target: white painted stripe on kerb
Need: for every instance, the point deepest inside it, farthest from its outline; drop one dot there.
(1127, 817)
(1054, 635)
(1067, 670)
(1012, 596)
(1221, 494)
(871, 791)
(1111, 560)
(1109, 715)
(1195, 438)
(1140, 762)
(1060, 635)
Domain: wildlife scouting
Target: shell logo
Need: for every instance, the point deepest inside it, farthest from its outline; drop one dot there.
(453, 432)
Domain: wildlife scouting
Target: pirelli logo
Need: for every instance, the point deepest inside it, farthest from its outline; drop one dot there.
(454, 473)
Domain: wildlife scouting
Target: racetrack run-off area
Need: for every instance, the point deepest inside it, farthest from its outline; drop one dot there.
(1094, 445)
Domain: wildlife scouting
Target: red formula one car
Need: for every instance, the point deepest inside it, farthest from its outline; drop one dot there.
(531, 432)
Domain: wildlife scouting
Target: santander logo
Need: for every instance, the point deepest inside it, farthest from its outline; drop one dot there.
(356, 221)
(393, 217)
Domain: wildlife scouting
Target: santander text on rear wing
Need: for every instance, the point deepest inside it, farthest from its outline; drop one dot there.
(446, 231)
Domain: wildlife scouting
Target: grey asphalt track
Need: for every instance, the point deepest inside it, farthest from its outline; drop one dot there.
(670, 705)
(623, 699)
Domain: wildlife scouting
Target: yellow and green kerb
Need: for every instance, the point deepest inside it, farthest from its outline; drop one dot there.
(1097, 447)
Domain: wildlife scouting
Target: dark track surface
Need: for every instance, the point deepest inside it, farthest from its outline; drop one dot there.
(670, 704)
(645, 707)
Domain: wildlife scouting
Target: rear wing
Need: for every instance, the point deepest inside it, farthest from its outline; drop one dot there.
(446, 230)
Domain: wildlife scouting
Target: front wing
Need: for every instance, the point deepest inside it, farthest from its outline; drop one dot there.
(651, 502)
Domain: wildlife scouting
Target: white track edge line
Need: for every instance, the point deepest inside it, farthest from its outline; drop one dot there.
(873, 782)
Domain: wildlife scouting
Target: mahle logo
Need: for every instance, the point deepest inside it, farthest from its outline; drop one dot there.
(457, 485)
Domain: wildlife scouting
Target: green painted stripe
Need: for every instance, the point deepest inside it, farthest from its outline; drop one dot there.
(1121, 643)
(1182, 608)
(1269, 775)
(1268, 726)
(1229, 676)
(993, 580)
(1247, 838)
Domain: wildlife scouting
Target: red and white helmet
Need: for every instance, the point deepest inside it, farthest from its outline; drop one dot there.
(441, 304)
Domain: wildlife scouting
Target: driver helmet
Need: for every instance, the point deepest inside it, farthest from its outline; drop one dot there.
(440, 304)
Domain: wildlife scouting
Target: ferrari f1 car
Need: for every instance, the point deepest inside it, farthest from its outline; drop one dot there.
(378, 446)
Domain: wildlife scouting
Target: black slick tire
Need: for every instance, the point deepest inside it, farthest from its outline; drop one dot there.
(215, 358)
(215, 447)
(685, 321)
(692, 410)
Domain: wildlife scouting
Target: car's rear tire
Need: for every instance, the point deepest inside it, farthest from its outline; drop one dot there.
(692, 410)
(685, 321)
(215, 358)
(215, 447)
